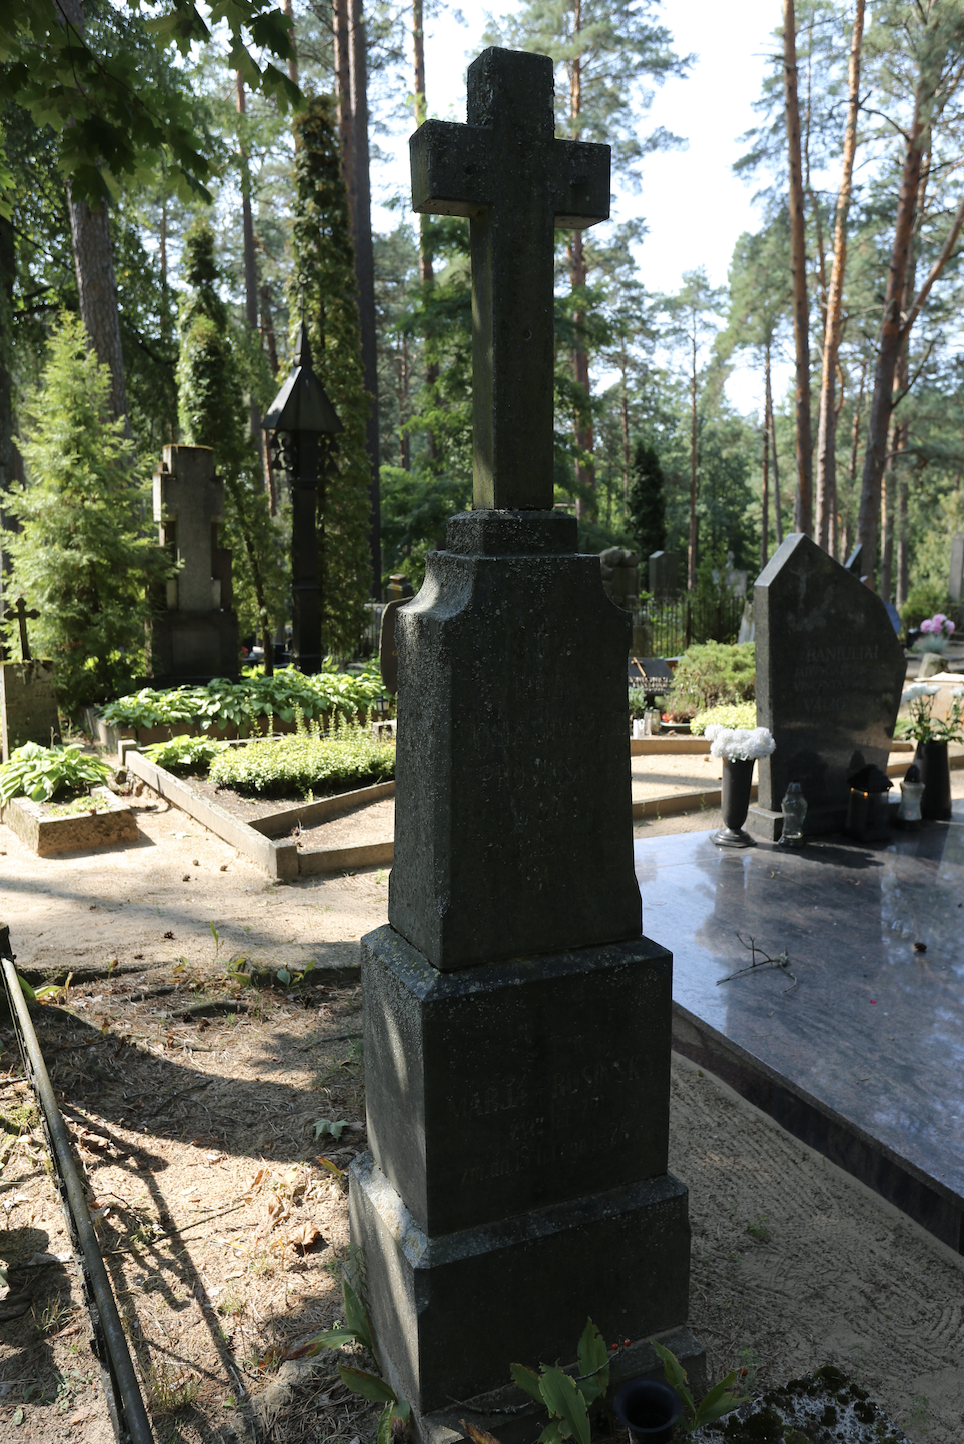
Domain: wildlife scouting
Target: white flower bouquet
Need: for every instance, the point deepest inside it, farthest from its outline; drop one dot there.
(924, 726)
(739, 744)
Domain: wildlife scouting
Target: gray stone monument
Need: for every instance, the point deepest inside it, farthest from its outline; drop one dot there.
(517, 1024)
(194, 633)
(955, 580)
(28, 692)
(620, 576)
(663, 570)
(829, 675)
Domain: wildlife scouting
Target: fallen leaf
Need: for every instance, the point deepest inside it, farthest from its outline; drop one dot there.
(169, 935)
(305, 1236)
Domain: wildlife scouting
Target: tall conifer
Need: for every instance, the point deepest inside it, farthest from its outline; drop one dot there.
(326, 288)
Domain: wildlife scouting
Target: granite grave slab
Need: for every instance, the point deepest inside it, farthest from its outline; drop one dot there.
(863, 1058)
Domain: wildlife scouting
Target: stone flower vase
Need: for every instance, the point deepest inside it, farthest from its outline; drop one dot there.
(935, 803)
(737, 782)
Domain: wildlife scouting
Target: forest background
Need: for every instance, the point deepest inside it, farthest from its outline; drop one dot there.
(178, 137)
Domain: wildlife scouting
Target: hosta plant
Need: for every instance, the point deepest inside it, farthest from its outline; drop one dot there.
(41, 773)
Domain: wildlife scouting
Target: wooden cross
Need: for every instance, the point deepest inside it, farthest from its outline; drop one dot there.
(506, 171)
(20, 614)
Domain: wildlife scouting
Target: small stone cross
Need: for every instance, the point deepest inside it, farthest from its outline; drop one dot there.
(506, 171)
(20, 614)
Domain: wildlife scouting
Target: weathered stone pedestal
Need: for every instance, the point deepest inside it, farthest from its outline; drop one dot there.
(517, 1024)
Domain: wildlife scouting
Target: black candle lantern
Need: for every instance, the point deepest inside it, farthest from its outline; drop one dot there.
(868, 811)
(302, 425)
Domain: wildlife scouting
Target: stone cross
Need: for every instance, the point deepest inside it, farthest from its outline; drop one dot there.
(20, 614)
(515, 182)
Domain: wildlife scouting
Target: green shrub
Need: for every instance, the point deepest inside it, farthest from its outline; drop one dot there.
(44, 772)
(184, 753)
(712, 673)
(251, 703)
(728, 714)
(922, 602)
(306, 764)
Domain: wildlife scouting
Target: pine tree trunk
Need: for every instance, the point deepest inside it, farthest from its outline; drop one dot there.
(365, 273)
(892, 336)
(803, 505)
(691, 549)
(426, 272)
(887, 518)
(765, 502)
(903, 542)
(771, 432)
(852, 473)
(97, 290)
(827, 425)
(293, 57)
(346, 129)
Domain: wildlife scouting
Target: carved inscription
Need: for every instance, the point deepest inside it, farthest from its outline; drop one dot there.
(827, 677)
(578, 1112)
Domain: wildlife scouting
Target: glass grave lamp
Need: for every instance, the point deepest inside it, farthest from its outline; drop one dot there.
(794, 807)
(301, 426)
(868, 810)
(911, 792)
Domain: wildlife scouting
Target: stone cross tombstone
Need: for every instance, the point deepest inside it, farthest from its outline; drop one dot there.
(955, 580)
(829, 676)
(194, 631)
(517, 1024)
(28, 692)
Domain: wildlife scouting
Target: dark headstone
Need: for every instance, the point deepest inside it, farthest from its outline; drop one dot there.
(829, 675)
(388, 649)
(663, 569)
(652, 674)
(517, 1024)
(955, 580)
(28, 705)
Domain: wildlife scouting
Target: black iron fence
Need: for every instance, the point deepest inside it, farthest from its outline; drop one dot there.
(671, 624)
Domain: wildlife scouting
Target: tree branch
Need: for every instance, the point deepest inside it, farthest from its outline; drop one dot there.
(950, 242)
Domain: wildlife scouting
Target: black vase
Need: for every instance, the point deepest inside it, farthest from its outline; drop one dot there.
(649, 1409)
(737, 782)
(935, 803)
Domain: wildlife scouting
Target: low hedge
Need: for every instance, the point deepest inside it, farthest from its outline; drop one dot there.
(307, 764)
(711, 674)
(729, 714)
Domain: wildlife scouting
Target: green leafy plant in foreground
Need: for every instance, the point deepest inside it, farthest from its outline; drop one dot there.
(568, 1399)
(40, 773)
(719, 1401)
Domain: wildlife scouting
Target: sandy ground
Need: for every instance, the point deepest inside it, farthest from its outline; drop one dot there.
(194, 1102)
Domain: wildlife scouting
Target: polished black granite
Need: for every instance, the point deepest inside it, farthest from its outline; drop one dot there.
(864, 1057)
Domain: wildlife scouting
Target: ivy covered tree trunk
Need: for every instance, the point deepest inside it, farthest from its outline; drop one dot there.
(324, 257)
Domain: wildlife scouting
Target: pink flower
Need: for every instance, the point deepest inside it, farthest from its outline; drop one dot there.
(928, 626)
(949, 628)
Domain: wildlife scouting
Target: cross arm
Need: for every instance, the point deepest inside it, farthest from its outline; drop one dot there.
(452, 174)
(580, 183)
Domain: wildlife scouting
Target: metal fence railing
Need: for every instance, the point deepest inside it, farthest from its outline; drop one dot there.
(671, 624)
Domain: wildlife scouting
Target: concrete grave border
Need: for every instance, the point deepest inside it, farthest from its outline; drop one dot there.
(80, 832)
(266, 840)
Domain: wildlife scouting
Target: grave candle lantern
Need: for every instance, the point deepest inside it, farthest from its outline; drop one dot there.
(911, 791)
(868, 811)
(301, 425)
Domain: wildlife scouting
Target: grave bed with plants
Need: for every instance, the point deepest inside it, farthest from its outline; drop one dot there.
(274, 798)
(53, 798)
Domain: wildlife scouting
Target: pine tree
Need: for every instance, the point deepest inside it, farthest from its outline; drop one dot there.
(647, 501)
(324, 264)
(84, 556)
(212, 412)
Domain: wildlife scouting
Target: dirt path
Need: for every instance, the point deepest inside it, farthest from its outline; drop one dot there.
(198, 1134)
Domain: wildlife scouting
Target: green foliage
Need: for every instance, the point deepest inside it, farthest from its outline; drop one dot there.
(324, 261)
(213, 413)
(415, 510)
(184, 753)
(250, 703)
(647, 501)
(717, 1402)
(727, 714)
(711, 673)
(82, 556)
(567, 1400)
(117, 107)
(922, 602)
(40, 773)
(307, 763)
